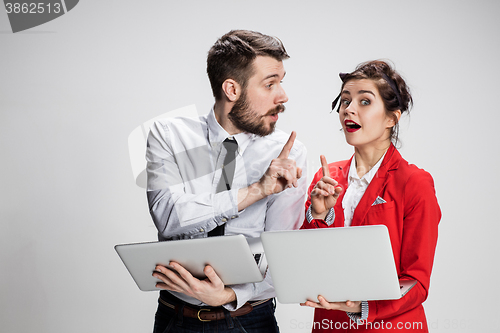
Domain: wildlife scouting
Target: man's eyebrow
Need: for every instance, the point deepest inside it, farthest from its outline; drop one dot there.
(270, 76)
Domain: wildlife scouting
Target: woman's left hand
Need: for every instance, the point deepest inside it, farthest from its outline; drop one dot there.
(348, 306)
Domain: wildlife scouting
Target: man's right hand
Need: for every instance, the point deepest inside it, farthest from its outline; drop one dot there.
(282, 172)
(325, 193)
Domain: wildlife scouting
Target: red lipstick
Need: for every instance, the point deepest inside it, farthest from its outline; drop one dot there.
(351, 126)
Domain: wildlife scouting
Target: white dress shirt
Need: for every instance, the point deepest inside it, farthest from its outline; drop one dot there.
(184, 159)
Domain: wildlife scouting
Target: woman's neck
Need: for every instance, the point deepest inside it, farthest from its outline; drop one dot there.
(367, 158)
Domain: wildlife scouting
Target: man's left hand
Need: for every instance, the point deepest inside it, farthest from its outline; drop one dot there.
(210, 291)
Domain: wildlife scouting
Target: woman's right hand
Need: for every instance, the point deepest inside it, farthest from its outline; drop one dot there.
(325, 193)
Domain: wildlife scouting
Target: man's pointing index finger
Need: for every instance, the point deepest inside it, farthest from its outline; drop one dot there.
(288, 146)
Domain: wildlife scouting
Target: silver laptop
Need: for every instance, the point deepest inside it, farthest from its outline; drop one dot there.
(230, 256)
(352, 263)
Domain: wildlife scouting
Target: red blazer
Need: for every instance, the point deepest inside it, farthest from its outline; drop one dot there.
(411, 213)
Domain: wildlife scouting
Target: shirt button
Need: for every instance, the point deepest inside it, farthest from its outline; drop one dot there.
(201, 230)
(234, 216)
(223, 219)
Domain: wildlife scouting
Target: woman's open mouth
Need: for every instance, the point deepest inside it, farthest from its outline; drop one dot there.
(351, 126)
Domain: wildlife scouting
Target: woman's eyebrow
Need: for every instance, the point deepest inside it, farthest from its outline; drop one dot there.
(360, 92)
(366, 92)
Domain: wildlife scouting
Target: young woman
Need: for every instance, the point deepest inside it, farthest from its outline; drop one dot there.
(376, 186)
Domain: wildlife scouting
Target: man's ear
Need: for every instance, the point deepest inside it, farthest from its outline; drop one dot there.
(231, 89)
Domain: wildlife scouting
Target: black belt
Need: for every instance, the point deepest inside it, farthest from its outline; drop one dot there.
(206, 313)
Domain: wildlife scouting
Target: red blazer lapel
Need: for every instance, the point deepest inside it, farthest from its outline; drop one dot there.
(390, 162)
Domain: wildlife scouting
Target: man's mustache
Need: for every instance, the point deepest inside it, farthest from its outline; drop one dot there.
(278, 109)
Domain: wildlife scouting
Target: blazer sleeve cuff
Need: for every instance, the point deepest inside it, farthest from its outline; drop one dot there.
(328, 220)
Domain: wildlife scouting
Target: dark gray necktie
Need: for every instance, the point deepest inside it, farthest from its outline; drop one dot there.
(226, 179)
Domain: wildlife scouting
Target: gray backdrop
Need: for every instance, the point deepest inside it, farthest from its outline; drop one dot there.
(73, 89)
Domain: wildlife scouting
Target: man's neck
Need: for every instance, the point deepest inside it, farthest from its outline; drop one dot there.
(221, 111)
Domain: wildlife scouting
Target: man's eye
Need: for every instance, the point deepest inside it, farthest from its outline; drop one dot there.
(365, 102)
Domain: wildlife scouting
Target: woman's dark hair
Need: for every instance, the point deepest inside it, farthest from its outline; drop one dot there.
(391, 86)
(232, 55)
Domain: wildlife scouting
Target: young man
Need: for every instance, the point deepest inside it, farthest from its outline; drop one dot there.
(229, 172)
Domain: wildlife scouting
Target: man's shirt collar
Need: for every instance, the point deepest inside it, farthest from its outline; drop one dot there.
(217, 134)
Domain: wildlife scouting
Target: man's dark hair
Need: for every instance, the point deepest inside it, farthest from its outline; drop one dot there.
(232, 55)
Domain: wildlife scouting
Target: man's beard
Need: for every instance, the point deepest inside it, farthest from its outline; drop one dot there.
(247, 120)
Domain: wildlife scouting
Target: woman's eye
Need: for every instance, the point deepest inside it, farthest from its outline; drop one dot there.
(345, 102)
(365, 102)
